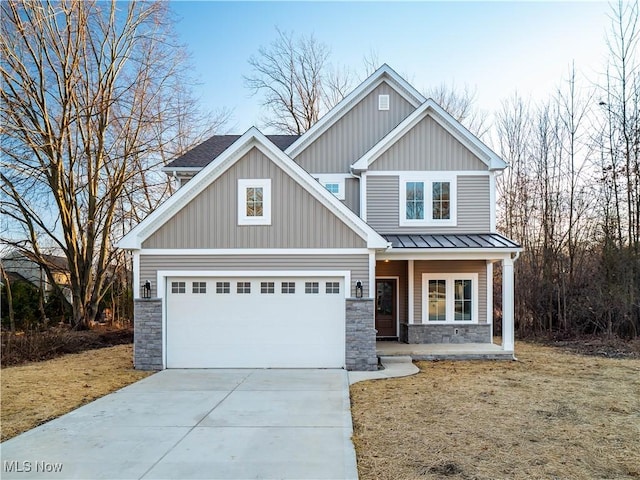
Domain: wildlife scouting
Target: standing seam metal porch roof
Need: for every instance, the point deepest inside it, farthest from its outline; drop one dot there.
(466, 240)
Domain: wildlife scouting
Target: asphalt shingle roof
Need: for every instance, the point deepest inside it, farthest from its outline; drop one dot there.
(207, 151)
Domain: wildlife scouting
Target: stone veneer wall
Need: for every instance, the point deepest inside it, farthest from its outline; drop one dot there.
(360, 335)
(466, 333)
(147, 333)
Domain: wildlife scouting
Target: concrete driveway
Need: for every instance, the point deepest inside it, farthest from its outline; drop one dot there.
(204, 424)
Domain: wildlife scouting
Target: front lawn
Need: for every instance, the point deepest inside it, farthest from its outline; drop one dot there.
(35, 393)
(551, 414)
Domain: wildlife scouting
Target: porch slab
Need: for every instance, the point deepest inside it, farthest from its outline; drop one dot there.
(444, 351)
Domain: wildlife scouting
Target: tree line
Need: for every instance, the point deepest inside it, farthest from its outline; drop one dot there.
(572, 195)
(96, 98)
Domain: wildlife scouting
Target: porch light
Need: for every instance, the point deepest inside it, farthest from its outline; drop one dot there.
(146, 289)
(358, 289)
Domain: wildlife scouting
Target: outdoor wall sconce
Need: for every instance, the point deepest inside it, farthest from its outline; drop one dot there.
(146, 289)
(358, 289)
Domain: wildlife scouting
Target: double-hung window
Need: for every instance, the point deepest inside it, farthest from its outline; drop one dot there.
(450, 297)
(254, 201)
(427, 200)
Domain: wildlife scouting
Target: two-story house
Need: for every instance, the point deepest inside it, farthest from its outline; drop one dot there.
(286, 251)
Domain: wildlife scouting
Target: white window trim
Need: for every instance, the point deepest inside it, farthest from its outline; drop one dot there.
(339, 178)
(265, 184)
(450, 297)
(428, 180)
(384, 102)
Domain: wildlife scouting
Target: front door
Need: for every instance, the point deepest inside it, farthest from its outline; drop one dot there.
(386, 307)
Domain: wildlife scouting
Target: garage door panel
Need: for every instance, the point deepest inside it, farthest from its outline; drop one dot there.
(286, 330)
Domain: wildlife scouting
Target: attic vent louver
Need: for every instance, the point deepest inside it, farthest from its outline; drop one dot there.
(383, 102)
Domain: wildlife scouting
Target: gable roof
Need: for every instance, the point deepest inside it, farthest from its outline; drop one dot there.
(251, 138)
(446, 121)
(201, 155)
(384, 73)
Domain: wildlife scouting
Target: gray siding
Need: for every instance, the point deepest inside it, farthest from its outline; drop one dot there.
(357, 264)
(298, 220)
(453, 266)
(352, 194)
(474, 208)
(428, 146)
(355, 133)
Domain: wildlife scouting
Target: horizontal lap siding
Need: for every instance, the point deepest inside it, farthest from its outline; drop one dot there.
(474, 204)
(355, 133)
(298, 220)
(382, 203)
(453, 266)
(428, 146)
(357, 264)
(474, 209)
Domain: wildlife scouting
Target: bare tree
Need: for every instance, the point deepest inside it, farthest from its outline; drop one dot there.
(297, 82)
(93, 101)
(461, 105)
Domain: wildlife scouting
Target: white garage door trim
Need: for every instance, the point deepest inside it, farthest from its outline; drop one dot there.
(162, 276)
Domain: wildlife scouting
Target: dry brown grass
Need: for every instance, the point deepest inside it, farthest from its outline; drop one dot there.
(35, 393)
(552, 414)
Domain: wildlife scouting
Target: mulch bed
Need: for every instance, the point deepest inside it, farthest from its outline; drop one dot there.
(24, 347)
(599, 346)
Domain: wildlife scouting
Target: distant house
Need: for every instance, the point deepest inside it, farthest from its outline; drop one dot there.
(24, 265)
(377, 223)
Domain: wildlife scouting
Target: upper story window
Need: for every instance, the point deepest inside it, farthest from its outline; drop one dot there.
(254, 201)
(441, 200)
(334, 183)
(333, 187)
(427, 200)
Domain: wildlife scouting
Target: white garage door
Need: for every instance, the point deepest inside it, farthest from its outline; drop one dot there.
(266, 322)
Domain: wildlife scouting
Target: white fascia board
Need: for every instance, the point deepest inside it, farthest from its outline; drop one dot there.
(250, 139)
(446, 121)
(373, 238)
(253, 251)
(399, 173)
(473, 143)
(448, 254)
(142, 231)
(385, 72)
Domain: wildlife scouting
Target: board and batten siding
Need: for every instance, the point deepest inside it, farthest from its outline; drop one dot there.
(473, 215)
(450, 266)
(352, 194)
(355, 133)
(428, 146)
(357, 264)
(298, 220)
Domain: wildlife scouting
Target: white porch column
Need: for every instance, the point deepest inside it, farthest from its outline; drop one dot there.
(507, 305)
(136, 274)
(410, 288)
(490, 298)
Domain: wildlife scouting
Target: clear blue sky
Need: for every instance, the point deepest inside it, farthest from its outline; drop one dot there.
(494, 47)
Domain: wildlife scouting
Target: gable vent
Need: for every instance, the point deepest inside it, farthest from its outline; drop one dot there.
(383, 102)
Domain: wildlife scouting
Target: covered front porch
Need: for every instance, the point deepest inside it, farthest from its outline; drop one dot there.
(434, 296)
(443, 351)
